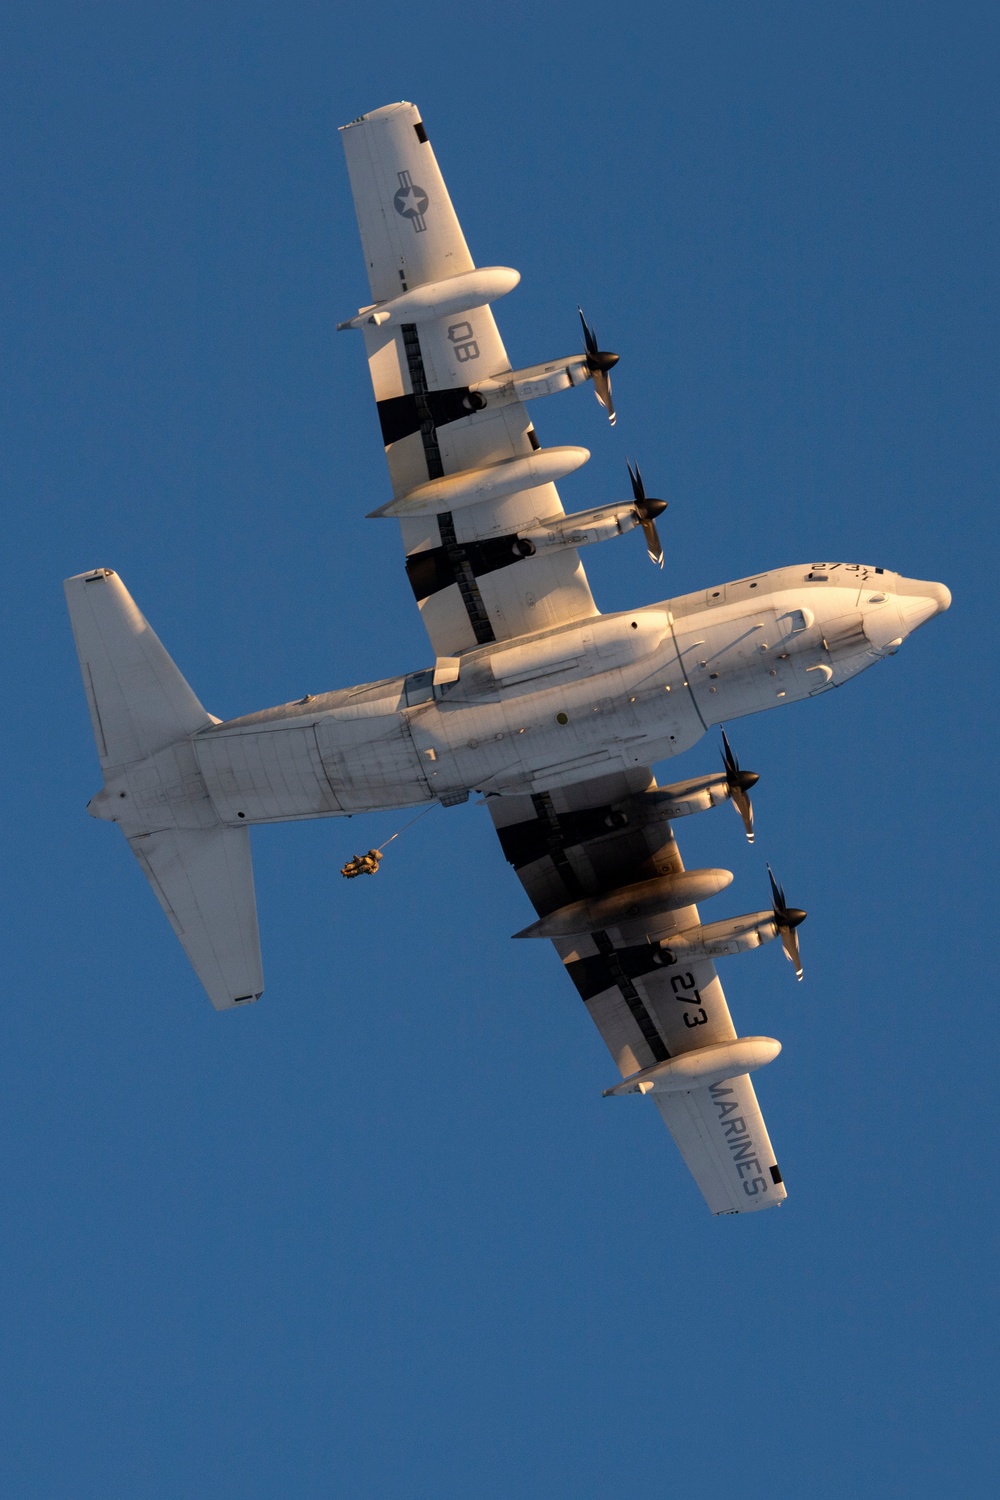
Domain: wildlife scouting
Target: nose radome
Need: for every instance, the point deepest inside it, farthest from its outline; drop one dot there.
(920, 600)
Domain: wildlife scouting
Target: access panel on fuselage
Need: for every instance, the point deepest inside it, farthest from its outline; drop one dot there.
(727, 662)
(371, 761)
(262, 774)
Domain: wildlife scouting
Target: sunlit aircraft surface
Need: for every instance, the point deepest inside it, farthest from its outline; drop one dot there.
(551, 711)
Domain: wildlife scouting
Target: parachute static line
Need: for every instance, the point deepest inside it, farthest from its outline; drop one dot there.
(367, 864)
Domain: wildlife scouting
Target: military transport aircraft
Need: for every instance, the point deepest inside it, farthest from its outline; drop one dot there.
(550, 710)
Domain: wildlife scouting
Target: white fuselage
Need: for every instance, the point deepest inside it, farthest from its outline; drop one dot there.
(615, 692)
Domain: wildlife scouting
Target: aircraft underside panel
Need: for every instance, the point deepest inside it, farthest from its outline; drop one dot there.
(372, 762)
(263, 775)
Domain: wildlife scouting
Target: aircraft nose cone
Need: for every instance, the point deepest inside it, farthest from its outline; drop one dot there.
(942, 594)
(920, 600)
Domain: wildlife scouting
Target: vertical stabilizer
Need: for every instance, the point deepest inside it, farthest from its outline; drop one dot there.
(139, 702)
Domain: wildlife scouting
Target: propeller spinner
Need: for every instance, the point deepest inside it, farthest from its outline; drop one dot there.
(599, 363)
(647, 509)
(739, 783)
(786, 919)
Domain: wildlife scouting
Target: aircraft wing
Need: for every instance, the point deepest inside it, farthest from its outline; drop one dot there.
(470, 583)
(572, 842)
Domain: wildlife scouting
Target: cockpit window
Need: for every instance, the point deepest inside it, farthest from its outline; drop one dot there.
(419, 687)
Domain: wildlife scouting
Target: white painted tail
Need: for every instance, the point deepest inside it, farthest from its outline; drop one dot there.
(141, 707)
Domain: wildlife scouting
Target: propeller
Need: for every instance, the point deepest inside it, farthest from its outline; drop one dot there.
(647, 509)
(599, 362)
(739, 783)
(786, 919)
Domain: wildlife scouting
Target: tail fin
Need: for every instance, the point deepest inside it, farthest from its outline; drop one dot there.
(139, 702)
(139, 705)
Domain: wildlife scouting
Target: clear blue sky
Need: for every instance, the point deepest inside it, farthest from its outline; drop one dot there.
(380, 1236)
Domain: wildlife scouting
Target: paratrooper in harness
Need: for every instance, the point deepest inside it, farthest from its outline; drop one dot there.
(362, 864)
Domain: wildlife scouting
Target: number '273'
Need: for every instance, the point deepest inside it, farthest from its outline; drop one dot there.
(690, 995)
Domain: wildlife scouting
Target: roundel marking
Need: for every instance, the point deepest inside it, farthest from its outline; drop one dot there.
(411, 202)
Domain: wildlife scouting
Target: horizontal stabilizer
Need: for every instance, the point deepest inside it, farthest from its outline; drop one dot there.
(203, 879)
(139, 702)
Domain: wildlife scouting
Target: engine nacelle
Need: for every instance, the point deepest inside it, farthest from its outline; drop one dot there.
(719, 939)
(533, 381)
(681, 798)
(440, 299)
(582, 528)
(630, 903)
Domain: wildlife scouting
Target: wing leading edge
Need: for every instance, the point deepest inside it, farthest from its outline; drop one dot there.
(472, 581)
(595, 837)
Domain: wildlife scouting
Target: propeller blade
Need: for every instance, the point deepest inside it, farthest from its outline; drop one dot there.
(787, 919)
(599, 363)
(602, 390)
(647, 509)
(589, 336)
(654, 546)
(740, 783)
(790, 943)
(744, 807)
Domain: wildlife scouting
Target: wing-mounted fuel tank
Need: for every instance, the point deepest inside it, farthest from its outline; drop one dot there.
(439, 299)
(701, 1068)
(647, 899)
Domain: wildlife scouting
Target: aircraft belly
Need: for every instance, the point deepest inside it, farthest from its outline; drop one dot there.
(263, 775)
(372, 761)
(542, 738)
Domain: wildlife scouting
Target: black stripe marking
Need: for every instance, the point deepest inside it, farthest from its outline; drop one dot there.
(632, 998)
(776, 1176)
(418, 379)
(608, 955)
(431, 571)
(523, 843)
(466, 580)
(592, 976)
(400, 416)
(548, 824)
(463, 574)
